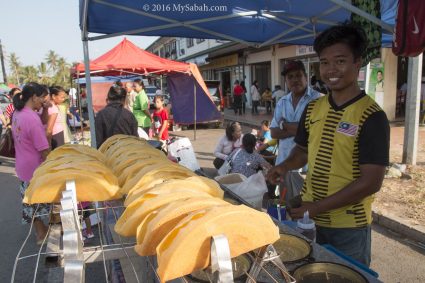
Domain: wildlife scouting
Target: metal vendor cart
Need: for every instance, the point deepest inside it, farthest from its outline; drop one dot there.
(122, 264)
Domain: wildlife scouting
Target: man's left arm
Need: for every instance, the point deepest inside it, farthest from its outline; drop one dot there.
(374, 143)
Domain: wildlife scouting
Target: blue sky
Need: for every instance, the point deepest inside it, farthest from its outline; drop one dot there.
(30, 28)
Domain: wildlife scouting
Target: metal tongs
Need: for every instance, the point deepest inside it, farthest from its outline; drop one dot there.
(268, 254)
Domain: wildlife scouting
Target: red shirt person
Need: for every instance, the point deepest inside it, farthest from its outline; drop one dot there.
(237, 98)
(160, 119)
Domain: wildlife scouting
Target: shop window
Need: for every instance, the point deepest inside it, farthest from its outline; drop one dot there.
(189, 42)
(173, 47)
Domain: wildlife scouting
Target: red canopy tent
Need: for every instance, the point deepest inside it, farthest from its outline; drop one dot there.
(127, 58)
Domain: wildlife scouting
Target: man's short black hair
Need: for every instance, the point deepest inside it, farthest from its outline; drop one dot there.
(116, 93)
(351, 35)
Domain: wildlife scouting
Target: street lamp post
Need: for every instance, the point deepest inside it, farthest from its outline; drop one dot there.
(3, 68)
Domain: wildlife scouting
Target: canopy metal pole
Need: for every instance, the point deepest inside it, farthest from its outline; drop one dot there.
(410, 144)
(194, 113)
(79, 106)
(84, 38)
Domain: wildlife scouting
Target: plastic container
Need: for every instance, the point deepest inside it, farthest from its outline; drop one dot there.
(307, 227)
(276, 210)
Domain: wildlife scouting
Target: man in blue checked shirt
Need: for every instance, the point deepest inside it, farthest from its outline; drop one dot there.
(286, 117)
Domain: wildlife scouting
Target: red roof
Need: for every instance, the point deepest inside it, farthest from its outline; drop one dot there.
(127, 57)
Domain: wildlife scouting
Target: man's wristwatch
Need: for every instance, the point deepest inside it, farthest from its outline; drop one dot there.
(282, 125)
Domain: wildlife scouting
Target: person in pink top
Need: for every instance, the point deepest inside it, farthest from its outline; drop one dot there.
(55, 126)
(31, 147)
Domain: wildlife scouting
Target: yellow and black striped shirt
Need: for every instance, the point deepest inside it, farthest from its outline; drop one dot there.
(339, 139)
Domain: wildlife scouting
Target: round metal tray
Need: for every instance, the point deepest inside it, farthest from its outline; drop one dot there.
(319, 272)
(241, 266)
(292, 248)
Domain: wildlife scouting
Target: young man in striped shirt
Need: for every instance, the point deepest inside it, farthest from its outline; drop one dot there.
(344, 139)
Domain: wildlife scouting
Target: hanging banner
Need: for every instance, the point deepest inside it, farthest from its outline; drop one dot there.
(376, 82)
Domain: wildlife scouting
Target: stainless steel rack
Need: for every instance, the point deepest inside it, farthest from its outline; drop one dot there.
(64, 243)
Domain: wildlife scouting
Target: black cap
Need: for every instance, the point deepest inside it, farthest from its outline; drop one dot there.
(293, 65)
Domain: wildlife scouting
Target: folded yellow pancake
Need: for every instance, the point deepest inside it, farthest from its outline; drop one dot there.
(134, 214)
(159, 180)
(163, 189)
(90, 186)
(67, 159)
(130, 143)
(141, 154)
(186, 248)
(133, 169)
(116, 139)
(76, 149)
(72, 157)
(150, 180)
(83, 165)
(196, 182)
(121, 165)
(141, 150)
(166, 170)
(160, 222)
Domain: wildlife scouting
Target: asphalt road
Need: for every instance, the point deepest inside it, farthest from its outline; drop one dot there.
(394, 258)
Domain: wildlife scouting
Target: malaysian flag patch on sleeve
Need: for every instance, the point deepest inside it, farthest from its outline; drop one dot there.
(347, 129)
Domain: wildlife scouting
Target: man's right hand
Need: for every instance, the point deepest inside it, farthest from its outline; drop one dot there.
(276, 174)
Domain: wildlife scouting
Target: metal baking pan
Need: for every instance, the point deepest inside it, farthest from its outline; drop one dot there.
(319, 272)
(293, 249)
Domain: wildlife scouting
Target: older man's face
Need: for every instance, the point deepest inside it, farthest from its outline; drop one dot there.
(296, 81)
(129, 87)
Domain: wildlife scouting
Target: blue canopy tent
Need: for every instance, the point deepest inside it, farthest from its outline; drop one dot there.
(255, 23)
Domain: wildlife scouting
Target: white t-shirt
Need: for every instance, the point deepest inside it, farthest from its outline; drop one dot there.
(278, 94)
(255, 95)
(73, 96)
(226, 147)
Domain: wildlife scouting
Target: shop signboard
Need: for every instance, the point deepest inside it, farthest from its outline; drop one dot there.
(302, 50)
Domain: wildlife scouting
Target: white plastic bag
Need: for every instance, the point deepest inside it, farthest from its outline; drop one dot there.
(227, 165)
(252, 189)
(182, 150)
(225, 168)
(142, 134)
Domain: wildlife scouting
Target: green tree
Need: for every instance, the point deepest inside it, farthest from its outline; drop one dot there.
(52, 60)
(63, 71)
(16, 67)
(29, 74)
(43, 73)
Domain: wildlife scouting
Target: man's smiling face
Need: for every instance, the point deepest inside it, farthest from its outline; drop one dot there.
(338, 68)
